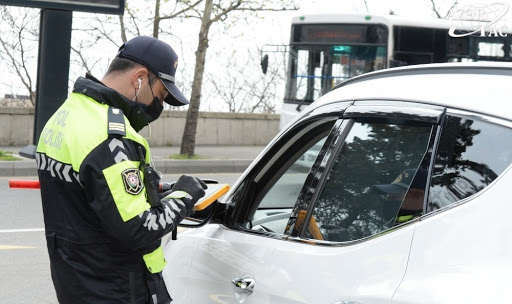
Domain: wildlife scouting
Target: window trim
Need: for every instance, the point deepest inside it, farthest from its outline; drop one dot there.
(400, 112)
(269, 161)
(241, 189)
(465, 115)
(317, 177)
(387, 109)
(482, 117)
(277, 170)
(286, 146)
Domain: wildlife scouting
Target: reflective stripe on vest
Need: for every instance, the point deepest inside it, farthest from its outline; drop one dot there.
(63, 139)
(404, 218)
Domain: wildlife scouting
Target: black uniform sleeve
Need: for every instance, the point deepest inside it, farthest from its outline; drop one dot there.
(114, 188)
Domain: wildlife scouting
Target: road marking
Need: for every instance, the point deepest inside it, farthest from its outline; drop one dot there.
(10, 247)
(22, 230)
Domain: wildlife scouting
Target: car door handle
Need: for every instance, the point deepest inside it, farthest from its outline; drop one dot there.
(347, 302)
(244, 284)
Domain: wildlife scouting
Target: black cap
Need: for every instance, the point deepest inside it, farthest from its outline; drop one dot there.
(160, 58)
(405, 180)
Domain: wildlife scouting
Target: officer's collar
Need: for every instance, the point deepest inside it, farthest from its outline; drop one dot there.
(95, 89)
(92, 87)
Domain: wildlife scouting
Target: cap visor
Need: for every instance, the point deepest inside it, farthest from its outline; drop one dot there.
(390, 188)
(175, 98)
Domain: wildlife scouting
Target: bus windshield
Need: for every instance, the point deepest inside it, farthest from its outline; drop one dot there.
(321, 56)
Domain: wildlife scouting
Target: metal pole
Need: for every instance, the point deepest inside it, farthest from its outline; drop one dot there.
(52, 69)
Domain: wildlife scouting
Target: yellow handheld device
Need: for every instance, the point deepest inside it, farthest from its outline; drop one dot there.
(213, 193)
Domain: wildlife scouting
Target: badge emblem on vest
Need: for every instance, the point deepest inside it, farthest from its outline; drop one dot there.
(132, 181)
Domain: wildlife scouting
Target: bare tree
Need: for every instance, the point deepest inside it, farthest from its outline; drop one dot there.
(214, 11)
(93, 32)
(366, 5)
(179, 10)
(437, 9)
(81, 55)
(229, 87)
(19, 41)
(243, 90)
(264, 93)
(103, 33)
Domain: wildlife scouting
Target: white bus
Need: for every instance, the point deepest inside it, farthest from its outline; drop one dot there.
(325, 50)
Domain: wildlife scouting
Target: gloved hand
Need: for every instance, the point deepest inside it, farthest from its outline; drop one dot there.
(163, 188)
(191, 185)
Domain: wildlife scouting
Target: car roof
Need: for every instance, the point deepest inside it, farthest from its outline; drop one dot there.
(482, 87)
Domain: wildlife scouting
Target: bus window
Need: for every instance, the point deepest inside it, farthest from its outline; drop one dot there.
(460, 59)
(414, 45)
(303, 68)
(314, 71)
(458, 46)
(491, 49)
(323, 55)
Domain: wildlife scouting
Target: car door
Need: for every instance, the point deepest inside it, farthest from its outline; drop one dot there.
(229, 263)
(305, 224)
(349, 239)
(461, 249)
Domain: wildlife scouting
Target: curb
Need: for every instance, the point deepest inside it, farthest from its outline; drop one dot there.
(18, 168)
(202, 166)
(28, 167)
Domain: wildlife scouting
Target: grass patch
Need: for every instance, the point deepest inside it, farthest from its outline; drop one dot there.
(185, 156)
(8, 156)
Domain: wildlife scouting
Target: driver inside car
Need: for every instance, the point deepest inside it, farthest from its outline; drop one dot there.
(404, 196)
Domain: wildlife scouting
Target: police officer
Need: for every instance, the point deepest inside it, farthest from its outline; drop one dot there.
(104, 218)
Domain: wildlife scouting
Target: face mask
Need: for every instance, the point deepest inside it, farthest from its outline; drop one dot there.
(154, 110)
(143, 115)
(151, 112)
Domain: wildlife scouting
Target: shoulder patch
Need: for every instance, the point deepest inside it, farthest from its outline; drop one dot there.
(116, 127)
(132, 181)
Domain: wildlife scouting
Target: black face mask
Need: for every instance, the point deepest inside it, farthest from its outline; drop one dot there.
(142, 115)
(154, 110)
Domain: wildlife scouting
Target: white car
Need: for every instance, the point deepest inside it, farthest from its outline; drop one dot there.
(407, 201)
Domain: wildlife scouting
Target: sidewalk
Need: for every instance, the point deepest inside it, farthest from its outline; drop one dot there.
(214, 159)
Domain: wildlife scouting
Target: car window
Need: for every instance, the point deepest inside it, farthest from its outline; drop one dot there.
(471, 154)
(363, 192)
(284, 193)
(276, 191)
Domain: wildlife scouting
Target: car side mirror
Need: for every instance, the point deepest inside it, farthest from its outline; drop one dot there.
(204, 208)
(213, 214)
